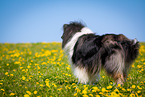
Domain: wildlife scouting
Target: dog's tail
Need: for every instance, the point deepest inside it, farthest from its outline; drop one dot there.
(131, 49)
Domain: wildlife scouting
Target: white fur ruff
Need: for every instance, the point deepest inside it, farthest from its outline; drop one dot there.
(69, 47)
(80, 73)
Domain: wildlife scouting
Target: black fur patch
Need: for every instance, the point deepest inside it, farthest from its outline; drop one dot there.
(70, 30)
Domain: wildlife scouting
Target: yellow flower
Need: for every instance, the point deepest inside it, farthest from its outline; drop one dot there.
(114, 94)
(67, 68)
(2, 90)
(132, 65)
(38, 67)
(103, 90)
(73, 83)
(139, 66)
(6, 73)
(28, 92)
(97, 95)
(103, 76)
(7, 64)
(11, 75)
(123, 89)
(28, 66)
(132, 95)
(116, 90)
(41, 85)
(78, 90)
(26, 95)
(85, 96)
(128, 89)
(84, 91)
(138, 91)
(35, 92)
(75, 94)
(95, 89)
(119, 85)
(37, 82)
(59, 89)
(139, 87)
(133, 86)
(23, 77)
(21, 67)
(109, 87)
(12, 94)
(91, 95)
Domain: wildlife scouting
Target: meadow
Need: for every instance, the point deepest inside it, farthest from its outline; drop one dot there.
(42, 70)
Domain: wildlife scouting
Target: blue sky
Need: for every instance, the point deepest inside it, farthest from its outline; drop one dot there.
(42, 20)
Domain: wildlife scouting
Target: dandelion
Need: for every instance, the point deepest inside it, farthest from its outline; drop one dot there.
(12, 94)
(41, 85)
(91, 95)
(133, 86)
(103, 90)
(28, 66)
(11, 74)
(21, 67)
(84, 91)
(139, 87)
(119, 85)
(97, 95)
(116, 90)
(38, 67)
(132, 95)
(139, 66)
(138, 91)
(26, 95)
(28, 92)
(114, 94)
(78, 90)
(75, 94)
(109, 87)
(35, 92)
(59, 89)
(2, 90)
(123, 89)
(128, 89)
(68, 68)
(103, 76)
(6, 73)
(85, 96)
(23, 77)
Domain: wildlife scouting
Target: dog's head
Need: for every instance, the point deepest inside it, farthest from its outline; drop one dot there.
(69, 30)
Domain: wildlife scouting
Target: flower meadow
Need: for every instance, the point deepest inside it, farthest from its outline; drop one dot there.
(42, 70)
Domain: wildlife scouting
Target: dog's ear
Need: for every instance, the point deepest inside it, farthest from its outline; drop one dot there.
(65, 25)
(135, 41)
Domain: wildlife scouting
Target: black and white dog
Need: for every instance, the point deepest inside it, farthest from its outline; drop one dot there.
(88, 53)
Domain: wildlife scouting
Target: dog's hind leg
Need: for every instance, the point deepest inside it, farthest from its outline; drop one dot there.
(114, 66)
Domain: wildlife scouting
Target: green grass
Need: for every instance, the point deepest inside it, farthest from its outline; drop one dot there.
(42, 70)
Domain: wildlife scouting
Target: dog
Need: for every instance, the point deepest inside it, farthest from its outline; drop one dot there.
(88, 53)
